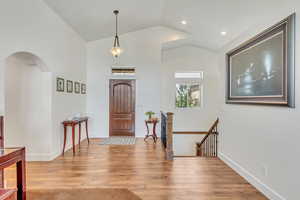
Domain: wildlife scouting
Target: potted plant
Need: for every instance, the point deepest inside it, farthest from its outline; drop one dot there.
(149, 114)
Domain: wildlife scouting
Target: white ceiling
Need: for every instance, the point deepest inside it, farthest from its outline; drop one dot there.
(93, 19)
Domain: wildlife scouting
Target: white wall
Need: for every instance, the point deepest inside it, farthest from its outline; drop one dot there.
(185, 145)
(142, 49)
(191, 58)
(30, 26)
(262, 142)
(28, 92)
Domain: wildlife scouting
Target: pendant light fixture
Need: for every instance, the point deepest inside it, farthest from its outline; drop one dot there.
(116, 50)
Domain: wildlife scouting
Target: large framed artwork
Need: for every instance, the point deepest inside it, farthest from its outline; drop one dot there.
(261, 71)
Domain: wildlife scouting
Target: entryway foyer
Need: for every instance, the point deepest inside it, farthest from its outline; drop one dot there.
(160, 99)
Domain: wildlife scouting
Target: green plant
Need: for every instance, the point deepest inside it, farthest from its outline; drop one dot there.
(149, 114)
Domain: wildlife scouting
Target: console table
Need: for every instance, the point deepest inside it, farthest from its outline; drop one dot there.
(73, 123)
(1, 146)
(11, 156)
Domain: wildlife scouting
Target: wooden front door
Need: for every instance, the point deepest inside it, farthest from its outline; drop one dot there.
(122, 108)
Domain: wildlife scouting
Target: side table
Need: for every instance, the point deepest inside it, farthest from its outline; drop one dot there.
(154, 122)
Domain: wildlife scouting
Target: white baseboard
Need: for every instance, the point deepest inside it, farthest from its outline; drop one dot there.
(39, 157)
(258, 184)
(98, 137)
(48, 156)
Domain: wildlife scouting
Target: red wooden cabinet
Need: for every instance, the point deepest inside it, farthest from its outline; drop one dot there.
(8, 194)
(15, 156)
(1, 146)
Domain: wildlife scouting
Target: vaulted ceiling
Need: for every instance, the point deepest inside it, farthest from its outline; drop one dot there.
(93, 19)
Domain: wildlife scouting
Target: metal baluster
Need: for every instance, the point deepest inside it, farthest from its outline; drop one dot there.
(209, 143)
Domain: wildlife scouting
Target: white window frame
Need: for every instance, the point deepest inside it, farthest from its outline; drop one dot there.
(122, 74)
(190, 80)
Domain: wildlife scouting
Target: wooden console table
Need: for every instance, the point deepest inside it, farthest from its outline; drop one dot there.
(1, 146)
(11, 156)
(73, 124)
(153, 135)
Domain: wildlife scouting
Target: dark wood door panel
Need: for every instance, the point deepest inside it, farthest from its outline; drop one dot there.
(122, 107)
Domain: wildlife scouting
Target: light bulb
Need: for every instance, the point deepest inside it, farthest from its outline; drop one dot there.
(116, 51)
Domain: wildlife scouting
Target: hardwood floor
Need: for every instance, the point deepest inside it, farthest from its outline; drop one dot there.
(141, 168)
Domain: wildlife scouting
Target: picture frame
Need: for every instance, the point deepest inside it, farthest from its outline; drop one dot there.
(60, 84)
(83, 88)
(262, 70)
(77, 87)
(69, 86)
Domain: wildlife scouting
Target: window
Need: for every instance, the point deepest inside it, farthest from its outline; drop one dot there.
(188, 89)
(187, 95)
(123, 71)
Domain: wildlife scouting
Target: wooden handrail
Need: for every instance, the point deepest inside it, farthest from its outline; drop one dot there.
(190, 132)
(208, 147)
(214, 126)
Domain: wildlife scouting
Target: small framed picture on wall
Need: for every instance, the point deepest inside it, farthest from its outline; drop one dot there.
(60, 84)
(69, 86)
(77, 87)
(83, 88)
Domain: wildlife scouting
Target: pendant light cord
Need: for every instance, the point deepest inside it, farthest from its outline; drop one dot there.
(116, 42)
(116, 24)
(116, 48)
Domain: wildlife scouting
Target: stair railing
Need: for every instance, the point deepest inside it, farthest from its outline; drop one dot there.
(208, 147)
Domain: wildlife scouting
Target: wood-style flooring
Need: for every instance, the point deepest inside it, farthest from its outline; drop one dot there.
(142, 169)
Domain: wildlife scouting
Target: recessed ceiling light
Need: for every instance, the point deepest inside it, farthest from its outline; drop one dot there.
(183, 22)
(223, 33)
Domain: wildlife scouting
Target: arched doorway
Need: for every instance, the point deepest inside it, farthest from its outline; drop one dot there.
(28, 91)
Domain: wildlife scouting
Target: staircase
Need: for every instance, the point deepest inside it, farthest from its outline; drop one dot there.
(207, 147)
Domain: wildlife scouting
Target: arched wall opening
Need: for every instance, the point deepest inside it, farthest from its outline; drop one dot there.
(28, 92)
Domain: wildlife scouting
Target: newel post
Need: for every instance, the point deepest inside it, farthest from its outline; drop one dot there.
(169, 149)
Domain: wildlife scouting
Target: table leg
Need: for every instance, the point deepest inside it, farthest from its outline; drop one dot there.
(21, 178)
(73, 138)
(86, 130)
(79, 134)
(154, 132)
(147, 131)
(65, 138)
(1, 178)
